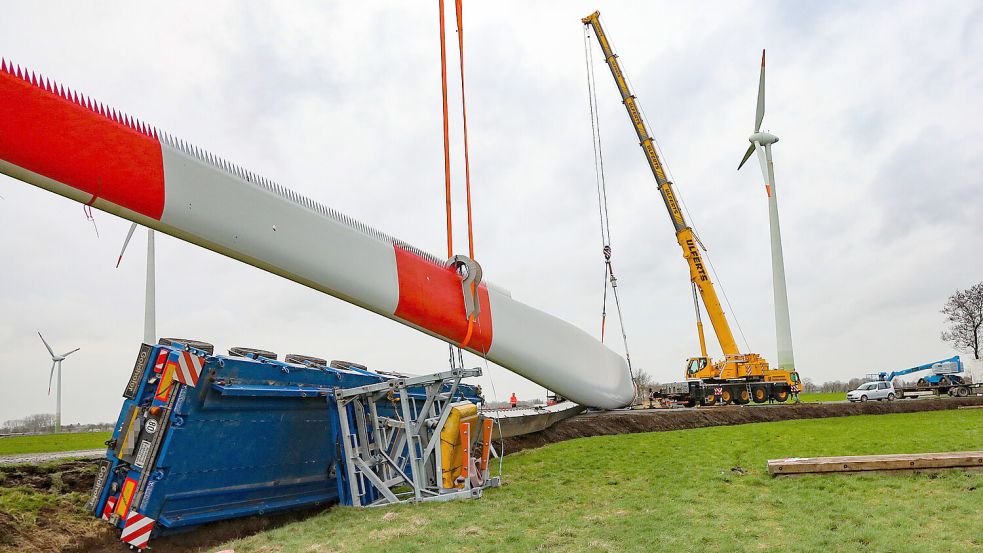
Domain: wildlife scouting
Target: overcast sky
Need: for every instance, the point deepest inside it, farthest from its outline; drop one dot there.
(878, 107)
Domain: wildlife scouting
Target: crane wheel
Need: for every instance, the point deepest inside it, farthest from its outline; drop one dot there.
(727, 396)
(709, 400)
(759, 394)
(742, 396)
(780, 395)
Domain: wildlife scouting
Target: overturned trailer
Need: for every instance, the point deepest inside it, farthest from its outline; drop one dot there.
(203, 437)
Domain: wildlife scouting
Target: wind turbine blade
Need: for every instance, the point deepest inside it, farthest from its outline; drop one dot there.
(50, 376)
(126, 243)
(747, 154)
(46, 345)
(763, 160)
(760, 113)
(71, 352)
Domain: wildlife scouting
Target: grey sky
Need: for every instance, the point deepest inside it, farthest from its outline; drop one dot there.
(877, 106)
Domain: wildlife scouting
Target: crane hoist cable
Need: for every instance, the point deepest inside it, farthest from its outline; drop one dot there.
(602, 203)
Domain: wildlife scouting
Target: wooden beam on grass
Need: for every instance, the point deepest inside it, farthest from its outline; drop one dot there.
(864, 463)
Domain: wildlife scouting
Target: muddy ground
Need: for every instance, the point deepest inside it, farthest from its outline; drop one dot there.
(60, 488)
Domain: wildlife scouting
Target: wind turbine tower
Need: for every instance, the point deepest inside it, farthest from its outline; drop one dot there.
(149, 308)
(56, 361)
(761, 143)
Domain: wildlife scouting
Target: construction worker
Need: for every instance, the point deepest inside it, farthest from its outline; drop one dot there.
(513, 400)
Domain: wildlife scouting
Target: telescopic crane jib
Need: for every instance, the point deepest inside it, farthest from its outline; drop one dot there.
(737, 372)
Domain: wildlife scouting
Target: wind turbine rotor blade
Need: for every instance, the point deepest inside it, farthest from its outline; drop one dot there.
(46, 345)
(763, 160)
(50, 376)
(759, 115)
(747, 155)
(71, 352)
(126, 243)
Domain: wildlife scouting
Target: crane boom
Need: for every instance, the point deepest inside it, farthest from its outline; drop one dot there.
(684, 234)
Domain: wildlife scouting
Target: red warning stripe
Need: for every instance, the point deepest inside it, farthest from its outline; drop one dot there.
(137, 530)
(55, 132)
(431, 297)
(107, 511)
(189, 368)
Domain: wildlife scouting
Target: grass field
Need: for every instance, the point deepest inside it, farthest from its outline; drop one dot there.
(47, 443)
(821, 396)
(689, 490)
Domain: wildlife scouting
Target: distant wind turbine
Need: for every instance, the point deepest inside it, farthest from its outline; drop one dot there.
(56, 361)
(149, 309)
(761, 143)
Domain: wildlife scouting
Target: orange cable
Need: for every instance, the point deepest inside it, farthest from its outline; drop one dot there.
(464, 117)
(447, 151)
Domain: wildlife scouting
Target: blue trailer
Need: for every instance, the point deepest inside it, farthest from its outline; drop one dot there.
(204, 437)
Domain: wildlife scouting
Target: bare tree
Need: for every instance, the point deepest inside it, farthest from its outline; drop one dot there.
(643, 381)
(808, 386)
(964, 316)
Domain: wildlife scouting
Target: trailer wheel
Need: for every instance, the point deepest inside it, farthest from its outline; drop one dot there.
(742, 396)
(344, 365)
(759, 394)
(780, 395)
(306, 360)
(962, 391)
(239, 351)
(197, 344)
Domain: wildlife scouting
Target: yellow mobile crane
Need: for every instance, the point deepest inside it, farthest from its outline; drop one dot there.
(739, 377)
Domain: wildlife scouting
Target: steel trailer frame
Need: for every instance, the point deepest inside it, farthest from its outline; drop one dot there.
(384, 454)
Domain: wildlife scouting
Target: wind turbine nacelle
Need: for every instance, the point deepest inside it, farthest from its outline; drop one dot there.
(763, 138)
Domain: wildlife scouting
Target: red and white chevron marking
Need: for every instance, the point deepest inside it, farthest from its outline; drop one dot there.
(188, 368)
(107, 511)
(137, 530)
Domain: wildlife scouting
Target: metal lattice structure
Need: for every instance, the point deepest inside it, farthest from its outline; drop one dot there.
(395, 459)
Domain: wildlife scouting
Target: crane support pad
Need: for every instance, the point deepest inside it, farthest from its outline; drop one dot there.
(865, 463)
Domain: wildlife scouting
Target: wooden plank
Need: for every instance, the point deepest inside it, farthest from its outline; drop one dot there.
(861, 463)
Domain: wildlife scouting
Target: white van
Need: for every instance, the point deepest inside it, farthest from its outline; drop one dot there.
(873, 390)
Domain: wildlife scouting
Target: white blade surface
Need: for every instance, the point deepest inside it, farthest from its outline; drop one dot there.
(760, 113)
(50, 376)
(46, 345)
(71, 352)
(126, 243)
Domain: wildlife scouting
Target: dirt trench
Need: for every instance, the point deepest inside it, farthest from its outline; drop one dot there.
(661, 420)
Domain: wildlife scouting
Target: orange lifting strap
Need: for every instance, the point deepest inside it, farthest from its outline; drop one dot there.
(459, 11)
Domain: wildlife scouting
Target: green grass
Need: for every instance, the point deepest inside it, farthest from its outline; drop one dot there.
(823, 396)
(690, 490)
(47, 443)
